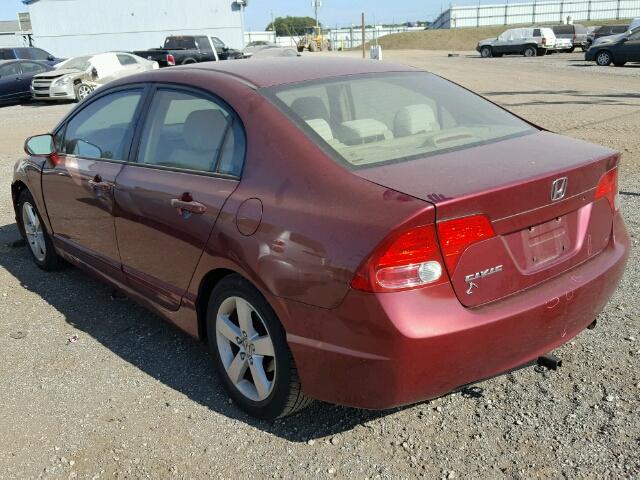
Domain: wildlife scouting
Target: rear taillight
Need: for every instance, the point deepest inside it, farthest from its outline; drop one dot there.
(406, 259)
(608, 188)
(456, 235)
(170, 60)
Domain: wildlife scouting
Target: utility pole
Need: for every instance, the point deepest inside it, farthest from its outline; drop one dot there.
(363, 37)
(273, 28)
(316, 4)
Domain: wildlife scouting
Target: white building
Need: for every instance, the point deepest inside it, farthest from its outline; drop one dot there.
(69, 28)
(531, 12)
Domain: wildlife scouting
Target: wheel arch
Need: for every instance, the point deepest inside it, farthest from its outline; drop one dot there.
(17, 188)
(207, 284)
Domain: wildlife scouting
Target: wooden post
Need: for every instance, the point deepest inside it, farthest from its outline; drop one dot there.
(363, 38)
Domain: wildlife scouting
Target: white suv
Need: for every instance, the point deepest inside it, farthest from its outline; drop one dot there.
(530, 41)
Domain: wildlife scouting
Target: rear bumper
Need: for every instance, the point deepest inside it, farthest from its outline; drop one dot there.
(385, 350)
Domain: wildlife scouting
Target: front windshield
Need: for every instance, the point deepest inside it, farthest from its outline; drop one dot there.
(367, 120)
(77, 63)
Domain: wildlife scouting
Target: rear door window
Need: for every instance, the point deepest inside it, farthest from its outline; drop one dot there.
(32, 68)
(104, 128)
(10, 70)
(6, 54)
(187, 131)
(620, 28)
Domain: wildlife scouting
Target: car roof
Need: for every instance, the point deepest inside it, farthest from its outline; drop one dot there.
(269, 72)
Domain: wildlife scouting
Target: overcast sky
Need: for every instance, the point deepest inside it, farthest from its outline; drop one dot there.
(341, 12)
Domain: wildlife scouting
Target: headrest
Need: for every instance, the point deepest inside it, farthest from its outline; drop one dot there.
(322, 128)
(414, 119)
(309, 108)
(204, 130)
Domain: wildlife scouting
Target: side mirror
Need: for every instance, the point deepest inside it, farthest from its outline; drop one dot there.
(51, 58)
(623, 39)
(40, 145)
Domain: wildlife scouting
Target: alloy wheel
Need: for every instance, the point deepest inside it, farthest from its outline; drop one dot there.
(83, 92)
(245, 348)
(33, 230)
(603, 59)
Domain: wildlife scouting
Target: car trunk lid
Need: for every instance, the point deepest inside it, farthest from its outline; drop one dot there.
(537, 191)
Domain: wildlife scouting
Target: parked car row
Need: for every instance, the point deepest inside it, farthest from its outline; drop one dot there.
(600, 45)
(29, 72)
(527, 41)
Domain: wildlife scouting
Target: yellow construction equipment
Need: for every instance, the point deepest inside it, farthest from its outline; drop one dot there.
(315, 39)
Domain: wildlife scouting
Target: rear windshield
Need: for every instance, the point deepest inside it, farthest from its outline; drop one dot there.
(563, 29)
(179, 43)
(368, 120)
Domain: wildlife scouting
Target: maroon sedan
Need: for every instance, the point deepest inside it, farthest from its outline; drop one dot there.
(358, 232)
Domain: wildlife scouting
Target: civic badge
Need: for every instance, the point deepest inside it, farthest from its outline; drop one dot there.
(558, 189)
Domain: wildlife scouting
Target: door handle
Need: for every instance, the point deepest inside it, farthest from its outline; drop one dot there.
(188, 206)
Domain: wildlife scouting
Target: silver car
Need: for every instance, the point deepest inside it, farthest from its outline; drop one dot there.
(76, 78)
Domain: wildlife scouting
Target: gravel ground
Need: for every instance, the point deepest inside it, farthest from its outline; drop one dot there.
(93, 387)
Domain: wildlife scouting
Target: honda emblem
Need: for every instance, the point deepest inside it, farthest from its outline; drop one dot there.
(558, 189)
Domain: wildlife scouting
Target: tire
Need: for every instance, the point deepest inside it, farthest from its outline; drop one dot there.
(313, 47)
(584, 48)
(486, 52)
(604, 58)
(236, 339)
(35, 234)
(188, 61)
(619, 64)
(83, 91)
(571, 50)
(530, 52)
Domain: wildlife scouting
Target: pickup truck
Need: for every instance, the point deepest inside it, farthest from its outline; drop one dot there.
(185, 49)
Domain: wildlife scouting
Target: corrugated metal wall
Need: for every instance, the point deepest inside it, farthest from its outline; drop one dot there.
(537, 13)
(68, 28)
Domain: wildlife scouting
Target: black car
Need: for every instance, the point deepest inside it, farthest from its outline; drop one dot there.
(606, 31)
(15, 79)
(186, 49)
(29, 53)
(619, 49)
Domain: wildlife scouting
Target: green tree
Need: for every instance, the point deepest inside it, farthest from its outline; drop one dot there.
(295, 26)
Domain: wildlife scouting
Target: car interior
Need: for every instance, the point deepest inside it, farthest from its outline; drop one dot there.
(368, 121)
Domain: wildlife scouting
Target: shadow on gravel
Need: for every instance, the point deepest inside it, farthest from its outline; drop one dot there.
(156, 347)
